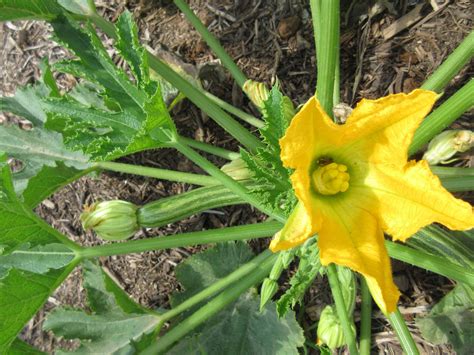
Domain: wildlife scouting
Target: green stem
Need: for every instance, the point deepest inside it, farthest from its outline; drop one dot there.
(341, 309)
(209, 148)
(430, 262)
(191, 92)
(212, 42)
(443, 116)
(327, 53)
(244, 116)
(365, 318)
(251, 231)
(315, 16)
(209, 309)
(226, 180)
(200, 100)
(403, 334)
(170, 175)
(226, 281)
(455, 179)
(451, 66)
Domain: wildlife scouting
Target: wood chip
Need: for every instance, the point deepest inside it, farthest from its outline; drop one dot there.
(403, 22)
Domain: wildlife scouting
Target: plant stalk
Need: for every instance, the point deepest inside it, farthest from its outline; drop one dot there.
(341, 309)
(365, 318)
(403, 333)
(451, 66)
(209, 148)
(250, 231)
(443, 116)
(212, 42)
(212, 307)
(163, 174)
(455, 179)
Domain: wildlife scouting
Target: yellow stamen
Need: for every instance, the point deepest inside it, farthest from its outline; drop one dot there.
(331, 179)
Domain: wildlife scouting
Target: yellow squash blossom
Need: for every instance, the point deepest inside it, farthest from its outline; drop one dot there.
(354, 183)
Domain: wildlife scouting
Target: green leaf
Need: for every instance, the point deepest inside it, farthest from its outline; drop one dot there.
(240, 328)
(11, 10)
(203, 269)
(457, 246)
(308, 268)
(79, 7)
(22, 293)
(451, 320)
(117, 324)
(42, 153)
(19, 347)
(26, 103)
(39, 260)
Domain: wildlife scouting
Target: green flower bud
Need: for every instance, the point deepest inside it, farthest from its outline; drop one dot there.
(268, 290)
(446, 144)
(288, 109)
(237, 169)
(257, 92)
(111, 220)
(330, 330)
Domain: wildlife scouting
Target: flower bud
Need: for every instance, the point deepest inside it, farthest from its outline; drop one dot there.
(288, 109)
(269, 288)
(111, 220)
(237, 169)
(330, 330)
(446, 144)
(257, 92)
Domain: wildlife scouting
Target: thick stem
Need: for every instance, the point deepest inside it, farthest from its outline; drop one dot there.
(157, 173)
(365, 318)
(327, 53)
(341, 309)
(209, 309)
(216, 287)
(443, 116)
(430, 262)
(250, 231)
(451, 66)
(403, 334)
(212, 42)
(227, 181)
(209, 148)
(455, 179)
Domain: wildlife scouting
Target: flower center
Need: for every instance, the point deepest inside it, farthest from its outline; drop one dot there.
(331, 179)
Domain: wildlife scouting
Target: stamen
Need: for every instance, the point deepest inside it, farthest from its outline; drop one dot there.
(331, 179)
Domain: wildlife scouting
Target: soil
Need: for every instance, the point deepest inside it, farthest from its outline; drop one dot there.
(270, 40)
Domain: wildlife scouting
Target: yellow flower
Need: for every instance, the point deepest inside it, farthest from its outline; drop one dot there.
(354, 182)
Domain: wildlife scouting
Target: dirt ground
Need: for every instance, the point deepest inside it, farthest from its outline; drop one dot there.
(269, 40)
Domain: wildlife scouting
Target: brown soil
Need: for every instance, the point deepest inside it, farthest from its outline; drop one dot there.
(269, 40)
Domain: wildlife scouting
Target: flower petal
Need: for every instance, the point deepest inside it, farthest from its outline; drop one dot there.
(381, 131)
(412, 198)
(350, 236)
(311, 133)
(298, 228)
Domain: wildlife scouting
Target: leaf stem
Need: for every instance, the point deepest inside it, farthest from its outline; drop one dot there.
(212, 42)
(451, 66)
(443, 116)
(226, 180)
(209, 309)
(164, 174)
(328, 20)
(209, 148)
(403, 334)
(250, 231)
(430, 262)
(341, 309)
(228, 280)
(455, 179)
(365, 318)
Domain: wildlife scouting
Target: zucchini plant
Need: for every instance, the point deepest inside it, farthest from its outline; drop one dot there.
(329, 190)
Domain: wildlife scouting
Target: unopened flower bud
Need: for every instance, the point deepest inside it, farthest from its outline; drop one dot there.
(237, 169)
(257, 92)
(268, 290)
(111, 220)
(330, 329)
(288, 109)
(446, 144)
